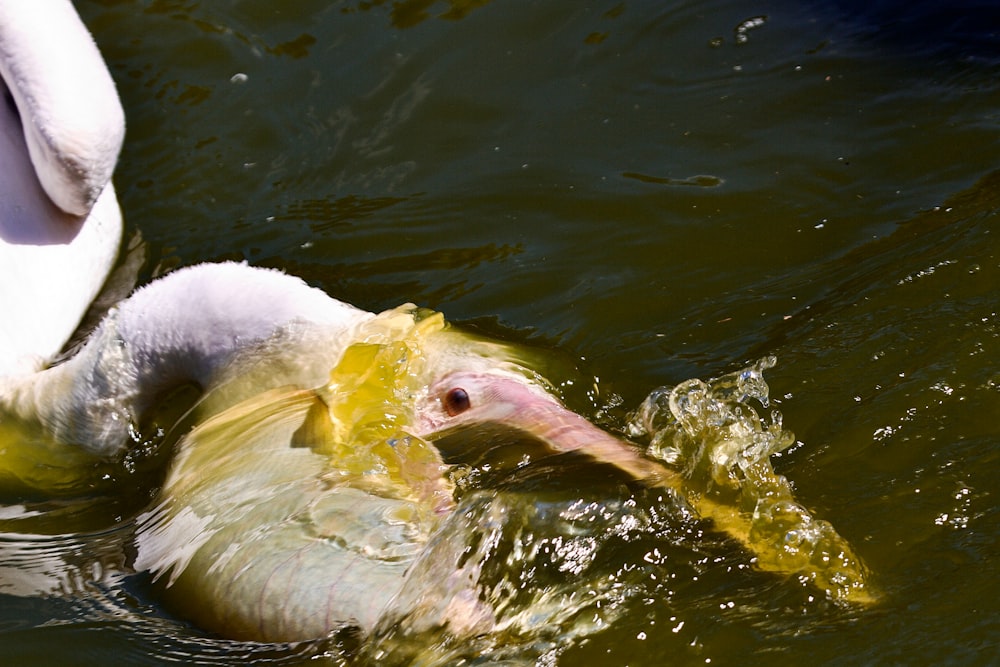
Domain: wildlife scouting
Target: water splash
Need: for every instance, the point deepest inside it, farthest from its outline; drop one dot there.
(508, 574)
(364, 427)
(512, 579)
(711, 432)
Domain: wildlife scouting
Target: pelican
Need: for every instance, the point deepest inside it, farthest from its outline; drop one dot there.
(313, 494)
(61, 129)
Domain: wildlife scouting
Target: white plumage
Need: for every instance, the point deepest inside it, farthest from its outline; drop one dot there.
(61, 128)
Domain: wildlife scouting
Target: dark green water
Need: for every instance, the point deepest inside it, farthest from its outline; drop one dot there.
(665, 190)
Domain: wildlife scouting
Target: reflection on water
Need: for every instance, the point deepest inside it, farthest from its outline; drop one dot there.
(408, 13)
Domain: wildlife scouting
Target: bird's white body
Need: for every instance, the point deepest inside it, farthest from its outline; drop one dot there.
(61, 129)
(207, 325)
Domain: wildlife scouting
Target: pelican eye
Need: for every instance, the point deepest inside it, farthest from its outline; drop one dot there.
(456, 401)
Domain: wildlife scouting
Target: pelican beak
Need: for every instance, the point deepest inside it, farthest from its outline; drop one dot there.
(511, 411)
